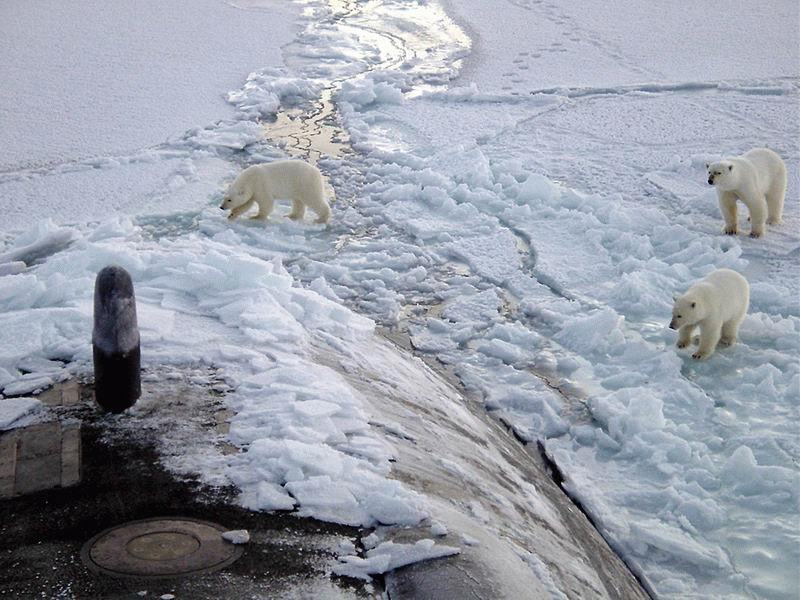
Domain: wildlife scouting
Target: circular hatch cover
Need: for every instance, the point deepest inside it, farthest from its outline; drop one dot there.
(160, 548)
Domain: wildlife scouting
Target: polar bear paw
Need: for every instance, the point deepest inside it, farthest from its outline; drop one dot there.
(701, 355)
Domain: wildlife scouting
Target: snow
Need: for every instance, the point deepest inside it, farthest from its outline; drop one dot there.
(438, 529)
(532, 44)
(526, 195)
(267, 90)
(543, 574)
(13, 410)
(87, 92)
(388, 556)
(237, 536)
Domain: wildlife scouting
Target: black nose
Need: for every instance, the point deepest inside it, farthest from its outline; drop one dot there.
(672, 325)
(710, 181)
(222, 208)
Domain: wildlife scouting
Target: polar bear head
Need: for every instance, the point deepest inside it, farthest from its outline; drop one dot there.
(688, 310)
(238, 194)
(721, 174)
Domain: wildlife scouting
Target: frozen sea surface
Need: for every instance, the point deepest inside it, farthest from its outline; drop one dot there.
(526, 195)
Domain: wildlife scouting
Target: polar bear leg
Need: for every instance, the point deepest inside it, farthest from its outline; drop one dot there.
(264, 209)
(758, 213)
(298, 210)
(775, 196)
(727, 206)
(730, 329)
(323, 213)
(316, 202)
(710, 331)
(685, 336)
(729, 332)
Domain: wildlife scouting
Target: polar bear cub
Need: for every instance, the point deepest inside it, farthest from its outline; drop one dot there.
(295, 180)
(717, 304)
(757, 178)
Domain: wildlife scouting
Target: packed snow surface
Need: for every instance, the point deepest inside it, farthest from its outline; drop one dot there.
(526, 195)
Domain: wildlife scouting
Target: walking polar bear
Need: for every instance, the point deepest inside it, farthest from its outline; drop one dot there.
(295, 180)
(717, 304)
(757, 178)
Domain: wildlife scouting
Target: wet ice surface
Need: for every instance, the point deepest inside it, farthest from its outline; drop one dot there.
(526, 224)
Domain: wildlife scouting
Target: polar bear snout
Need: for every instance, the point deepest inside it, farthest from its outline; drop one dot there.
(672, 324)
(719, 173)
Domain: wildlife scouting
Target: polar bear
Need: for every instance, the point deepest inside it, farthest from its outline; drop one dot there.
(283, 179)
(717, 304)
(757, 178)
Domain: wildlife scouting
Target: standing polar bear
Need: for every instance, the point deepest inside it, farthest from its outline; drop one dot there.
(717, 304)
(295, 180)
(757, 178)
